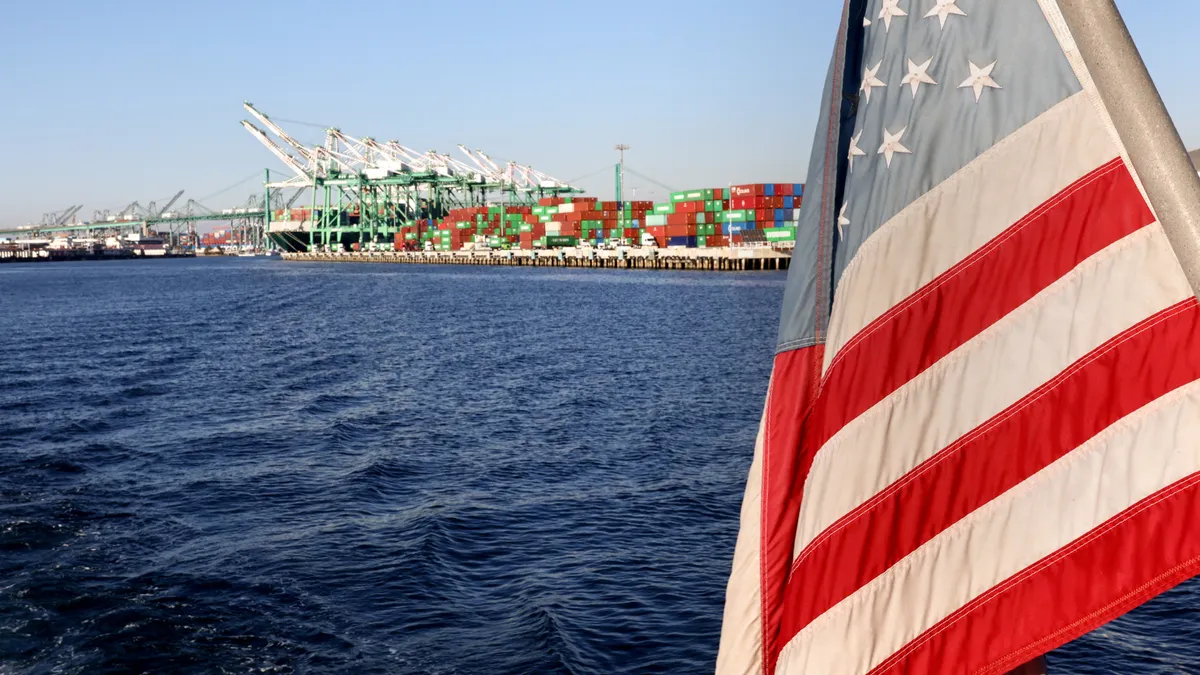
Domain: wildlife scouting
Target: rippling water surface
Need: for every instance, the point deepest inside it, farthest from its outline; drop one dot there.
(248, 465)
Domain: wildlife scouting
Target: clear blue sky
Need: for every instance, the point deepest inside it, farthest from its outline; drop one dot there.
(109, 102)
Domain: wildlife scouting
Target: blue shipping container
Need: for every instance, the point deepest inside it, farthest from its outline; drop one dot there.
(789, 202)
(769, 190)
(779, 215)
(682, 241)
(798, 189)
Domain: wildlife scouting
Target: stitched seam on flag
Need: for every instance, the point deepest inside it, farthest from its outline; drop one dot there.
(966, 610)
(798, 344)
(1095, 619)
(904, 393)
(1013, 410)
(973, 167)
(961, 530)
(973, 259)
(763, 524)
(827, 208)
(1149, 501)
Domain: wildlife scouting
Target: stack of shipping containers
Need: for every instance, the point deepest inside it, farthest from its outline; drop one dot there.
(711, 218)
(763, 212)
(691, 218)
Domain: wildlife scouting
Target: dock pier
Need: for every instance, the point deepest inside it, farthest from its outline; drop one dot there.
(746, 259)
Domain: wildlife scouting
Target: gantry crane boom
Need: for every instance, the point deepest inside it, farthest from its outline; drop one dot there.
(292, 163)
(299, 147)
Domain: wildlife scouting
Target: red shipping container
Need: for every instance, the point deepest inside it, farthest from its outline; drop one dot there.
(718, 193)
(681, 230)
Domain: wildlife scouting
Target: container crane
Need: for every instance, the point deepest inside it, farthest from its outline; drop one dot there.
(291, 162)
(153, 212)
(60, 218)
(299, 147)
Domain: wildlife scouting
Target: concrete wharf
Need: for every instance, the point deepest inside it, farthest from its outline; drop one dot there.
(740, 259)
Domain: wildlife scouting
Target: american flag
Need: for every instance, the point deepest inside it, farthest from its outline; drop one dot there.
(982, 434)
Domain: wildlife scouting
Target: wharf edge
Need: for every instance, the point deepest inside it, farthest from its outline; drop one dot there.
(686, 259)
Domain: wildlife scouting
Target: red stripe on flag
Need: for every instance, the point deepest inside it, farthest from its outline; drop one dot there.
(1144, 551)
(1133, 369)
(789, 401)
(1041, 248)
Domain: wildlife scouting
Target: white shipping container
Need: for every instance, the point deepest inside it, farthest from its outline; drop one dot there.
(566, 208)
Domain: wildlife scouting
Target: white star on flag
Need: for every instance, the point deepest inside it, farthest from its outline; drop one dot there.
(918, 75)
(890, 8)
(892, 146)
(866, 22)
(855, 151)
(980, 78)
(943, 9)
(843, 221)
(869, 80)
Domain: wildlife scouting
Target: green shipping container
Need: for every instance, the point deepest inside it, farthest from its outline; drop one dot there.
(664, 209)
(556, 241)
(731, 216)
(780, 233)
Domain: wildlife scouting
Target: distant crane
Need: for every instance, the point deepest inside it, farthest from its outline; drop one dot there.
(153, 212)
(59, 218)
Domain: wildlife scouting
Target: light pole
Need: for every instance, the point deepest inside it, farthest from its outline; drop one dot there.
(621, 148)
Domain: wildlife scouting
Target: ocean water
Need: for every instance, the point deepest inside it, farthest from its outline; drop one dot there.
(245, 465)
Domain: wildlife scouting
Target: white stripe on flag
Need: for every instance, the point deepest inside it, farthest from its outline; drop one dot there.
(740, 652)
(966, 211)
(1149, 450)
(1110, 292)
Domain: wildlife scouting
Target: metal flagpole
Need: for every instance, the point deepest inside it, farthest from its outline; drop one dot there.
(1143, 124)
